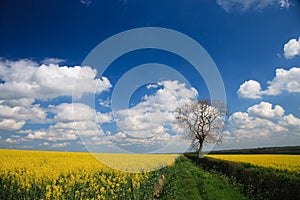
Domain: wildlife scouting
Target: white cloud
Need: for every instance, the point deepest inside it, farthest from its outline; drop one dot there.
(86, 2)
(149, 86)
(49, 61)
(159, 143)
(285, 3)
(79, 116)
(155, 114)
(149, 125)
(285, 80)
(52, 135)
(12, 141)
(25, 131)
(104, 103)
(156, 142)
(80, 125)
(11, 125)
(292, 123)
(26, 146)
(59, 145)
(250, 89)
(14, 113)
(27, 79)
(243, 5)
(142, 121)
(44, 144)
(292, 48)
(264, 110)
(49, 135)
(71, 120)
(22, 110)
(84, 128)
(25, 102)
(261, 121)
(243, 126)
(171, 95)
(15, 136)
(104, 117)
(73, 112)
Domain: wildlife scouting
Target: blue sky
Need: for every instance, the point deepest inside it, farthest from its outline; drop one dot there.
(44, 54)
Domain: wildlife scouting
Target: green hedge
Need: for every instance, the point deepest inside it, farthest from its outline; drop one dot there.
(259, 182)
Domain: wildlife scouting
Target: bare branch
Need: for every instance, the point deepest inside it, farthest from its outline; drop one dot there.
(203, 120)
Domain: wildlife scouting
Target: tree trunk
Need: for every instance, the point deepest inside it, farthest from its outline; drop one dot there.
(200, 152)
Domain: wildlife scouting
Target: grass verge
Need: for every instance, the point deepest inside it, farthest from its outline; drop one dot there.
(257, 182)
(185, 180)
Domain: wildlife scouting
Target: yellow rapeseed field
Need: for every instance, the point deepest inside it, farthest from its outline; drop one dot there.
(278, 161)
(136, 162)
(63, 175)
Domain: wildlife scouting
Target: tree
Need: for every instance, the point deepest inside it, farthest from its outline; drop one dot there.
(204, 121)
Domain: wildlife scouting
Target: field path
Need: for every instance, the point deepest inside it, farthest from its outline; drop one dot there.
(185, 180)
(158, 187)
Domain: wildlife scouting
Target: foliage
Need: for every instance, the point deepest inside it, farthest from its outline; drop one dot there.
(259, 182)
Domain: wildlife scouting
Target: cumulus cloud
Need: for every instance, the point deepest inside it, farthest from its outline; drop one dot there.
(284, 80)
(49, 135)
(25, 102)
(26, 79)
(73, 112)
(48, 61)
(159, 143)
(67, 127)
(250, 89)
(24, 82)
(104, 117)
(12, 141)
(80, 125)
(264, 110)
(243, 126)
(60, 145)
(261, 121)
(44, 144)
(155, 114)
(158, 139)
(78, 112)
(292, 48)
(71, 120)
(149, 125)
(243, 5)
(52, 135)
(292, 123)
(11, 124)
(22, 109)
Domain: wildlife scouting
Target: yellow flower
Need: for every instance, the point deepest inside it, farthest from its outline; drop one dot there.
(102, 190)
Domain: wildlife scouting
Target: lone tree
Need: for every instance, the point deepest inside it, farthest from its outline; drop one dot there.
(204, 120)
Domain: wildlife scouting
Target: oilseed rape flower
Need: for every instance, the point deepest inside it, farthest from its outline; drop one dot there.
(66, 175)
